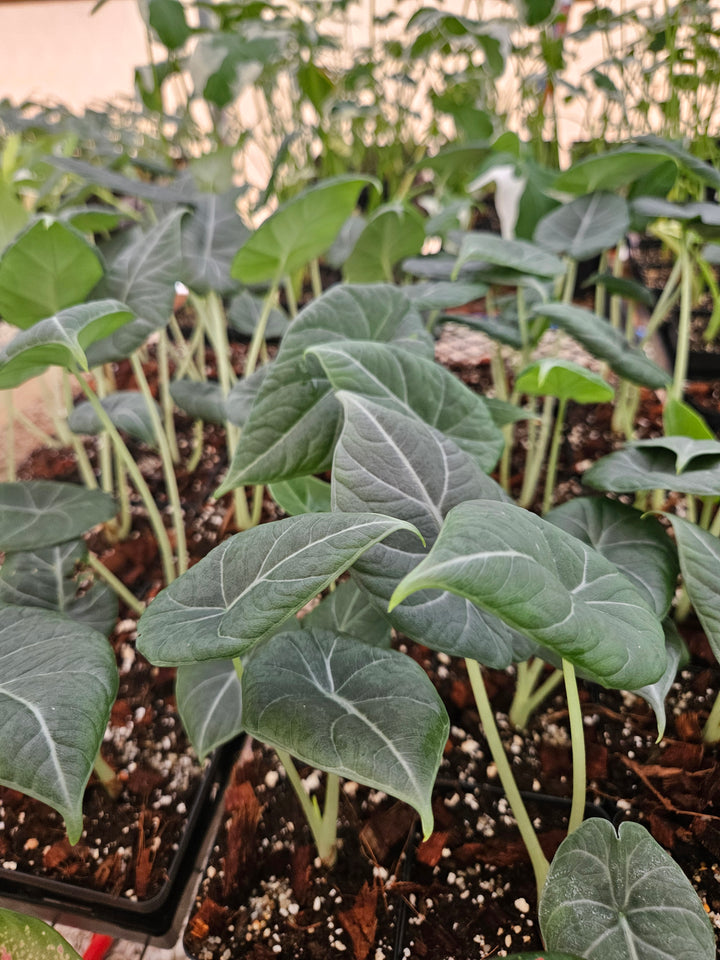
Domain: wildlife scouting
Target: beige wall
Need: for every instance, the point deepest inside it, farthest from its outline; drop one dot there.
(54, 50)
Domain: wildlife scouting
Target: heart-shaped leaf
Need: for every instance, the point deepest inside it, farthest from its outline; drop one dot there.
(242, 590)
(127, 410)
(548, 585)
(48, 578)
(653, 468)
(27, 938)
(324, 698)
(142, 274)
(41, 513)
(62, 340)
(638, 546)
(294, 422)
(699, 553)
(58, 684)
(346, 610)
(680, 420)
(517, 255)
(211, 237)
(392, 233)
(202, 401)
(705, 172)
(585, 227)
(605, 343)
(388, 462)
(614, 896)
(611, 170)
(392, 376)
(555, 377)
(301, 495)
(300, 230)
(48, 267)
(244, 312)
(91, 219)
(209, 700)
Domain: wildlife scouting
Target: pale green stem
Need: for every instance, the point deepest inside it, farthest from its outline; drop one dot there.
(103, 441)
(290, 297)
(257, 505)
(258, 336)
(322, 826)
(691, 507)
(168, 466)
(706, 514)
(187, 365)
(538, 859)
(197, 449)
(600, 293)
(65, 433)
(570, 279)
(553, 458)
(536, 455)
(577, 737)
(666, 301)
(107, 777)
(118, 587)
(125, 523)
(711, 730)
(683, 344)
(497, 368)
(10, 463)
(715, 526)
(216, 328)
(166, 401)
(138, 480)
(527, 699)
(315, 278)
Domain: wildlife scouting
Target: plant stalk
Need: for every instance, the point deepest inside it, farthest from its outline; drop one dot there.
(553, 457)
(323, 826)
(118, 587)
(577, 737)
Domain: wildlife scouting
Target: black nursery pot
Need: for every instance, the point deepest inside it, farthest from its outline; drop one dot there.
(159, 916)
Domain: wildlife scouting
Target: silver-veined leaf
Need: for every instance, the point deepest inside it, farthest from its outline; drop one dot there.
(346, 610)
(517, 255)
(209, 701)
(40, 513)
(585, 227)
(699, 553)
(639, 467)
(127, 410)
(211, 236)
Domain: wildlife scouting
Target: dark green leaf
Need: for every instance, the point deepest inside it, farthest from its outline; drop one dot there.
(585, 227)
(211, 237)
(209, 700)
(301, 495)
(346, 610)
(41, 513)
(127, 410)
(391, 234)
(653, 468)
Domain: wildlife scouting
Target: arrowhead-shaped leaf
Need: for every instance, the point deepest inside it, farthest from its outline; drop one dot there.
(58, 683)
(644, 467)
(548, 585)
(128, 411)
(388, 462)
(62, 340)
(47, 578)
(517, 255)
(40, 513)
(393, 377)
(639, 547)
(27, 938)
(555, 377)
(686, 450)
(612, 896)
(300, 230)
(699, 553)
(294, 422)
(348, 708)
(346, 610)
(605, 343)
(211, 237)
(209, 701)
(245, 588)
(143, 275)
(610, 170)
(585, 227)
(48, 267)
(392, 233)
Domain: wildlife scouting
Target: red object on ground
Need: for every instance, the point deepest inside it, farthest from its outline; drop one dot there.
(98, 947)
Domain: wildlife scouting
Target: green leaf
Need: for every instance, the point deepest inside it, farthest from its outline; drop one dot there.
(13, 216)
(611, 170)
(517, 255)
(48, 578)
(705, 172)
(294, 422)
(242, 590)
(700, 214)
(632, 900)
(299, 231)
(543, 955)
(585, 227)
(605, 343)
(638, 546)
(396, 378)
(679, 419)
(142, 274)
(348, 708)
(91, 219)
(211, 238)
(244, 312)
(699, 553)
(58, 684)
(127, 410)
(534, 12)
(243, 394)
(201, 401)
(167, 18)
(122, 185)
(209, 700)
(301, 495)
(392, 233)
(27, 938)
(48, 267)
(41, 513)
(549, 586)
(639, 467)
(554, 377)
(655, 693)
(686, 449)
(389, 462)
(346, 610)
(62, 340)
(444, 295)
